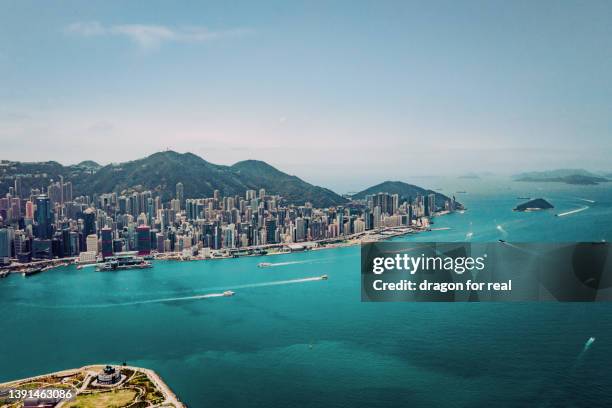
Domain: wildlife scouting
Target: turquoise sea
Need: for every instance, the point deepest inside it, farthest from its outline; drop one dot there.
(280, 342)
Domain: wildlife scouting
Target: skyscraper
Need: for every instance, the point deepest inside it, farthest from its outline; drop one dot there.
(44, 220)
(89, 222)
(143, 240)
(18, 186)
(5, 246)
(180, 193)
(107, 241)
(270, 231)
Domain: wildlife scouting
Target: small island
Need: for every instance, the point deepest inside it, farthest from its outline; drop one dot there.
(567, 176)
(534, 205)
(96, 386)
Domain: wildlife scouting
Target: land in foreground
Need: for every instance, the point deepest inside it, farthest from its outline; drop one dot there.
(131, 387)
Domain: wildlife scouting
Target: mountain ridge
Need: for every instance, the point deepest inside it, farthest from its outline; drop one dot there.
(568, 176)
(160, 171)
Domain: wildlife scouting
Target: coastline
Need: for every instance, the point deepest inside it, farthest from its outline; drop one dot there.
(89, 372)
(373, 235)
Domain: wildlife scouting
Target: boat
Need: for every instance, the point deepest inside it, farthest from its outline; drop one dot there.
(32, 271)
(4, 274)
(123, 263)
(264, 264)
(228, 293)
(324, 277)
(461, 192)
(523, 198)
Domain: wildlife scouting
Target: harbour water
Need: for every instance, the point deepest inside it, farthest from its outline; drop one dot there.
(286, 340)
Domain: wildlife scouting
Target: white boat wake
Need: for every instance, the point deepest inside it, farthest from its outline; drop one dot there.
(563, 214)
(181, 298)
(586, 347)
(272, 265)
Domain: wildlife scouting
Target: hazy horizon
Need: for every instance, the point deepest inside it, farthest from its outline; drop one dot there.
(337, 94)
(351, 184)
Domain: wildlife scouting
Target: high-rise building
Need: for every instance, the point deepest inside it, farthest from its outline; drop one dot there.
(270, 231)
(180, 195)
(143, 240)
(44, 220)
(89, 222)
(67, 189)
(300, 229)
(107, 241)
(18, 187)
(92, 243)
(29, 210)
(5, 246)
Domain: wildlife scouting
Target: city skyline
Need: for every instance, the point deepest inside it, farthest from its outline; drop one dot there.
(309, 88)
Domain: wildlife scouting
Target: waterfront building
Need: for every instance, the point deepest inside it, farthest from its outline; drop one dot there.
(42, 249)
(143, 238)
(106, 235)
(91, 243)
(109, 376)
(270, 235)
(5, 246)
(87, 257)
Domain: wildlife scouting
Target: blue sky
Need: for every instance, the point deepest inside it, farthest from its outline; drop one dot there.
(339, 93)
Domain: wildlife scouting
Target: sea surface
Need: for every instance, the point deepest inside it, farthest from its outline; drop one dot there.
(284, 341)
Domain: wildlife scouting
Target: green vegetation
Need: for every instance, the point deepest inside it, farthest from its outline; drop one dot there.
(150, 392)
(568, 176)
(110, 399)
(535, 204)
(404, 190)
(161, 171)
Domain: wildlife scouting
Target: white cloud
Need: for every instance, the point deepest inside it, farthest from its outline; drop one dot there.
(152, 36)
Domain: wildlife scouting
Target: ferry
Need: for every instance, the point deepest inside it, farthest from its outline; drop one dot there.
(264, 264)
(228, 293)
(122, 263)
(324, 277)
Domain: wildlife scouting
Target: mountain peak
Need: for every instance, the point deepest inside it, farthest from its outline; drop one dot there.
(404, 190)
(254, 165)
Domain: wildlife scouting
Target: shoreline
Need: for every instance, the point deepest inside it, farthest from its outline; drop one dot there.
(91, 371)
(375, 235)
